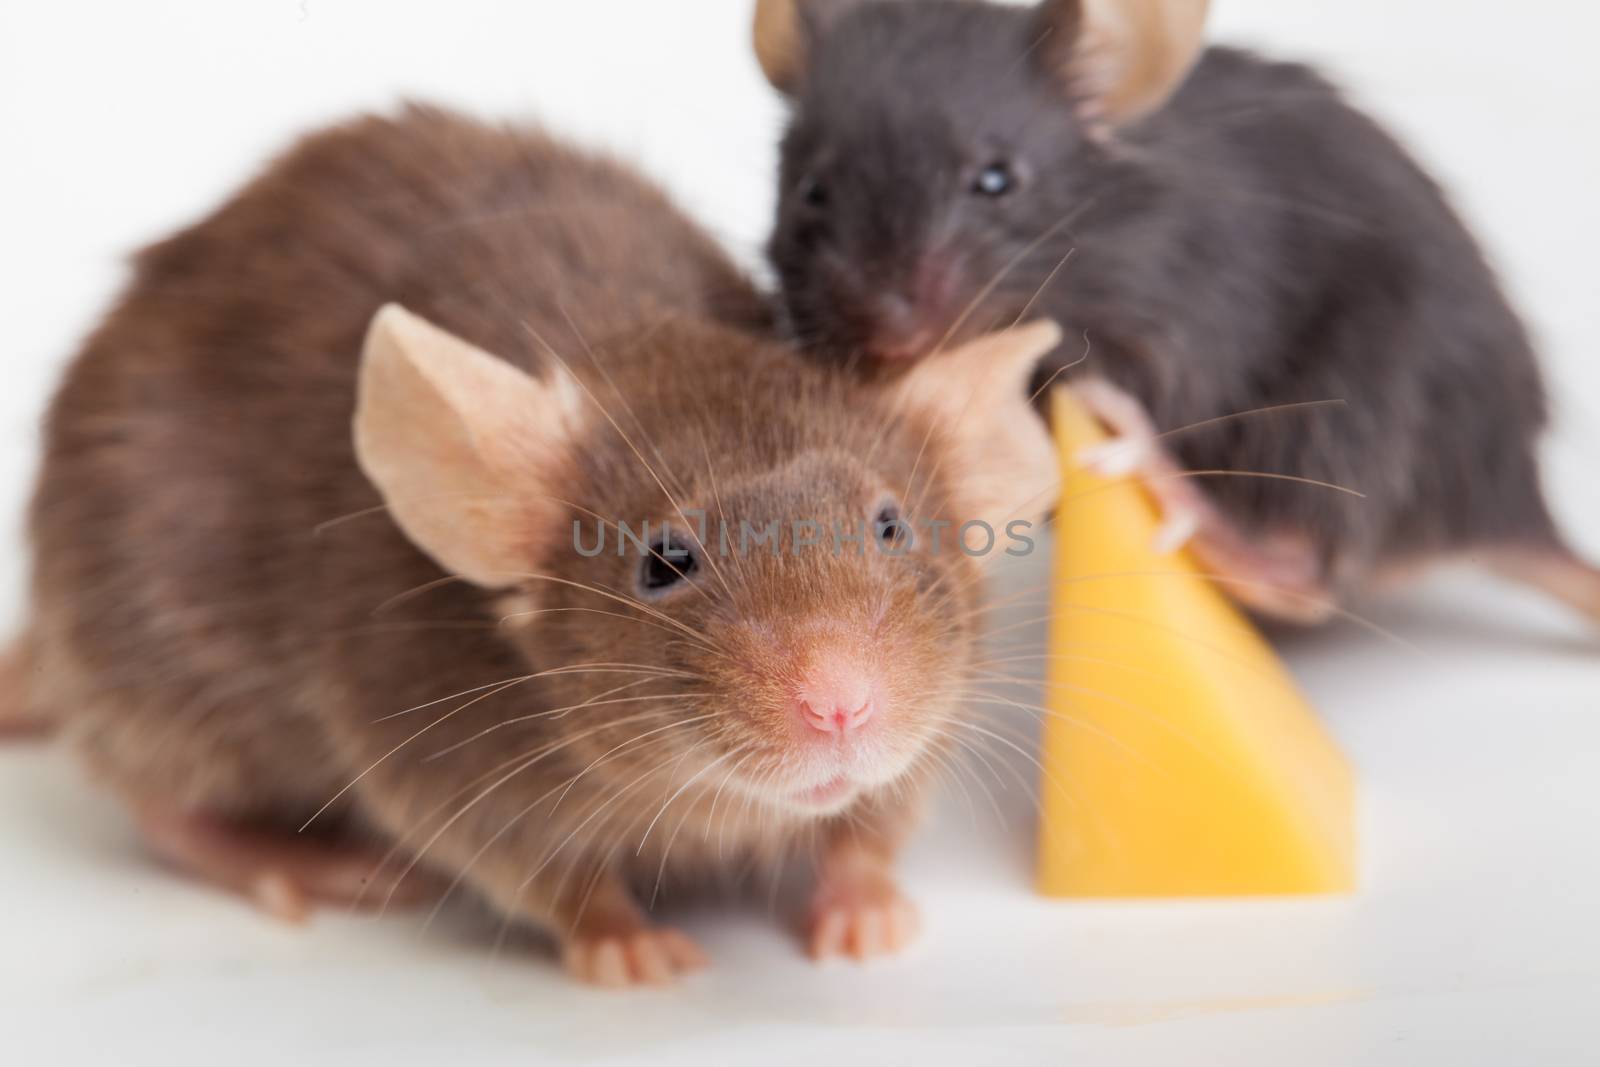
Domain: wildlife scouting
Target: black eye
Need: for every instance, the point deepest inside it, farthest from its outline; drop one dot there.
(892, 531)
(668, 562)
(994, 180)
(812, 192)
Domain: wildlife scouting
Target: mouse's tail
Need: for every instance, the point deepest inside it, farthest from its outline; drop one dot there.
(18, 715)
(1557, 571)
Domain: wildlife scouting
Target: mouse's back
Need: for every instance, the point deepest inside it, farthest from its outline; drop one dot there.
(1220, 233)
(201, 437)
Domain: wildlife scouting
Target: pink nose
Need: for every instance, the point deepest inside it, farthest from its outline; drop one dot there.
(901, 331)
(908, 325)
(901, 348)
(836, 698)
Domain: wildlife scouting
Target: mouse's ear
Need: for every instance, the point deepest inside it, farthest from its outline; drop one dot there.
(465, 448)
(1002, 464)
(1122, 58)
(784, 33)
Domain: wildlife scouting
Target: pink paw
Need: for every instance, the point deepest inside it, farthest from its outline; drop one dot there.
(1121, 457)
(1118, 457)
(645, 956)
(861, 921)
(1135, 451)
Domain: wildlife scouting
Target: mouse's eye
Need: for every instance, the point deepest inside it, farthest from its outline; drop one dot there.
(890, 529)
(670, 561)
(996, 179)
(812, 192)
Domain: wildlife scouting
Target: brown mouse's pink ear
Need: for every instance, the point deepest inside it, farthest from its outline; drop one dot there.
(1002, 463)
(1123, 58)
(465, 448)
(784, 32)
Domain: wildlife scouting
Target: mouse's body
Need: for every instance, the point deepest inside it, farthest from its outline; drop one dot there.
(1216, 232)
(249, 619)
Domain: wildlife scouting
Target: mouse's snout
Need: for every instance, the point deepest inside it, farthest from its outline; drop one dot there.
(907, 325)
(837, 696)
(900, 330)
(822, 704)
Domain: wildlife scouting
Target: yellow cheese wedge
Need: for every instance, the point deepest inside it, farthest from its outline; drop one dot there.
(1180, 758)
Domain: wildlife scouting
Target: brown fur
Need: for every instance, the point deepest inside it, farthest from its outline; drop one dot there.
(16, 670)
(228, 620)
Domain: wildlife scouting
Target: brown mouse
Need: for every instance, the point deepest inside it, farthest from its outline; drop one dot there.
(1263, 292)
(298, 650)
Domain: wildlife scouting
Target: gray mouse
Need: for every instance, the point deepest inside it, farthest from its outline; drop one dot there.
(331, 583)
(1262, 292)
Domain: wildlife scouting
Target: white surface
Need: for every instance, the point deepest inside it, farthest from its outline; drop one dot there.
(1474, 939)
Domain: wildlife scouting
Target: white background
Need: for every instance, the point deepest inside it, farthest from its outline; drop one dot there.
(1474, 938)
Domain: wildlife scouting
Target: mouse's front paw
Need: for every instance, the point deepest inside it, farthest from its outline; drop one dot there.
(1135, 451)
(860, 914)
(643, 956)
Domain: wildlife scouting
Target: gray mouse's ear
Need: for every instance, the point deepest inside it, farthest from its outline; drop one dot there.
(785, 31)
(1121, 58)
(1002, 461)
(465, 448)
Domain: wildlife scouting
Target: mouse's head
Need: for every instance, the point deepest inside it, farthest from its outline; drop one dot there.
(754, 572)
(940, 150)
